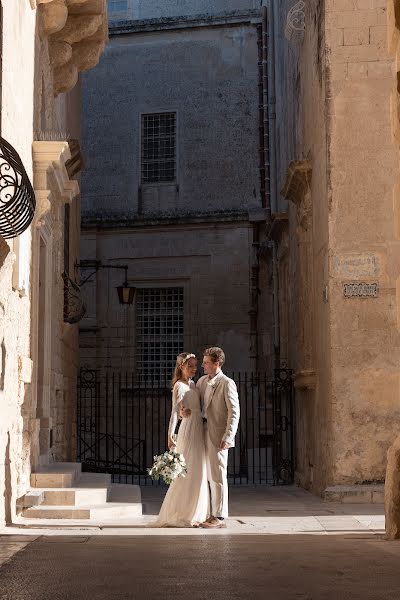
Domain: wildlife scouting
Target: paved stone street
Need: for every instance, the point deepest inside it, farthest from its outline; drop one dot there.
(253, 510)
(224, 567)
(280, 543)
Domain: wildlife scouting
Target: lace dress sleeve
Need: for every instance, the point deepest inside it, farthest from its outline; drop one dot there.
(178, 393)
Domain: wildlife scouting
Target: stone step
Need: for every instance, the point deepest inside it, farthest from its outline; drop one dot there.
(90, 489)
(94, 480)
(355, 494)
(124, 502)
(56, 512)
(56, 475)
(75, 496)
(32, 498)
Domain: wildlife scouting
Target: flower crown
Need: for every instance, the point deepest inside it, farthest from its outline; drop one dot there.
(187, 358)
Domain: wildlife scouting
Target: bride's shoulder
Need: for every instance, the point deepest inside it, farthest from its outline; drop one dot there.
(180, 385)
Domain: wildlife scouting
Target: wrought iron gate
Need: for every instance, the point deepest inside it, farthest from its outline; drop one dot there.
(123, 422)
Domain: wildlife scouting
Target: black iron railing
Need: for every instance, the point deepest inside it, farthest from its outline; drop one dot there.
(123, 422)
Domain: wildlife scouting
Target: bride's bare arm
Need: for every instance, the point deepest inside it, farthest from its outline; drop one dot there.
(178, 394)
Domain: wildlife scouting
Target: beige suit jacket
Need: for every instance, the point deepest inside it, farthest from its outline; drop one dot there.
(223, 410)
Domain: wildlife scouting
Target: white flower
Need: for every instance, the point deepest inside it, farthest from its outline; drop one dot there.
(169, 466)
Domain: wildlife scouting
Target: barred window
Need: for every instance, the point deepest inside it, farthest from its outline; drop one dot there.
(159, 330)
(158, 148)
(115, 6)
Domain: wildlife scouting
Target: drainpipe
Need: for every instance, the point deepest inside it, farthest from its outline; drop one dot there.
(269, 103)
(265, 94)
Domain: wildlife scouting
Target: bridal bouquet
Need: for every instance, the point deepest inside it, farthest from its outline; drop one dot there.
(169, 466)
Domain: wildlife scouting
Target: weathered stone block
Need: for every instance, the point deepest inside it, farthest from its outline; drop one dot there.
(356, 53)
(392, 491)
(357, 70)
(380, 70)
(378, 34)
(355, 36)
(349, 18)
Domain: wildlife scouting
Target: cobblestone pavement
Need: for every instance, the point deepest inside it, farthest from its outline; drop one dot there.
(281, 567)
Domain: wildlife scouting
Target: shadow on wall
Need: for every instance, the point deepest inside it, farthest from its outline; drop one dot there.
(3, 354)
(7, 483)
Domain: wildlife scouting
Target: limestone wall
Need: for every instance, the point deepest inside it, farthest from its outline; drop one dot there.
(15, 365)
(364, 244)
(38, 351)
(344, 350)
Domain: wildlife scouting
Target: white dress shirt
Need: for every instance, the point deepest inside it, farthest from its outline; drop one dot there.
(211, 383)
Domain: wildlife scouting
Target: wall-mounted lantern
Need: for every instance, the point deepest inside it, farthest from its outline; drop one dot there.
(126, 292)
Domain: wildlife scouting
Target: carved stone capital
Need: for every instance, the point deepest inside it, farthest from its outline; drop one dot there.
(298, 181)
(43, 207)
(50, 175)
(45, 154)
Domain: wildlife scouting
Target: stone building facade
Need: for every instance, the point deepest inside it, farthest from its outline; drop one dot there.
(326, 269)
(336, 232)
(186, 219)
(45, 44)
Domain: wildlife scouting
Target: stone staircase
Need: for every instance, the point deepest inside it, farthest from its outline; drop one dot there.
(61, 492)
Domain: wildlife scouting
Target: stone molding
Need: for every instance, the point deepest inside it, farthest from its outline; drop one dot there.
(50, 180)
(298, 181)
(77, 32)
(236, 17)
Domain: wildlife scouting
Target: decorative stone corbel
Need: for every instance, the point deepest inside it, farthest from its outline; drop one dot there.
(77, 32)
(53, 17)
(298, 181)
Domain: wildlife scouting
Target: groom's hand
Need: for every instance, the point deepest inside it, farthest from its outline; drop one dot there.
(185, 412)
(224, 445)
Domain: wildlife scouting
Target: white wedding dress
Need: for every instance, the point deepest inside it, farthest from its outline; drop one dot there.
(186, 501)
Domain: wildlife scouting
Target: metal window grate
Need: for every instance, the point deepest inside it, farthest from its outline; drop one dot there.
(158, 147)
(115, 6)
(159, 330)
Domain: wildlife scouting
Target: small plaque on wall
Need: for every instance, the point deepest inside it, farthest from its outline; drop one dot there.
(360, 290)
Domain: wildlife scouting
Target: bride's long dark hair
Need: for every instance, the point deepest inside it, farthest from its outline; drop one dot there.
(181, 359)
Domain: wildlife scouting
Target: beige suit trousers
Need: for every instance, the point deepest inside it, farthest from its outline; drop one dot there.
(217, 463)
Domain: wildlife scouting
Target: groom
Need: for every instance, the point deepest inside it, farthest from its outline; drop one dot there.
(221, 412)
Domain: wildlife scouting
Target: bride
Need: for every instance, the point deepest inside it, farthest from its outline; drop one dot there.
(186, 502)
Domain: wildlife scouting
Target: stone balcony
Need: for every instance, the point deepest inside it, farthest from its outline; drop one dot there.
(77, 32)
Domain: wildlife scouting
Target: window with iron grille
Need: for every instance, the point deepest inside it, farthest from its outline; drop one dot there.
(115, 6)
(158, 148)
(159, 330)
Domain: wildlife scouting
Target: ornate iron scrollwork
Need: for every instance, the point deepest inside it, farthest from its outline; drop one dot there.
(283, 378)
(295, 21)
(74, 307)
(17, 198)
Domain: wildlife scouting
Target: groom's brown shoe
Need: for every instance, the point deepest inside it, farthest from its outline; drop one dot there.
(213, 523)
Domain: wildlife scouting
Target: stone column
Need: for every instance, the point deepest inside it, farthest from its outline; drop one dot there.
(53, 188)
